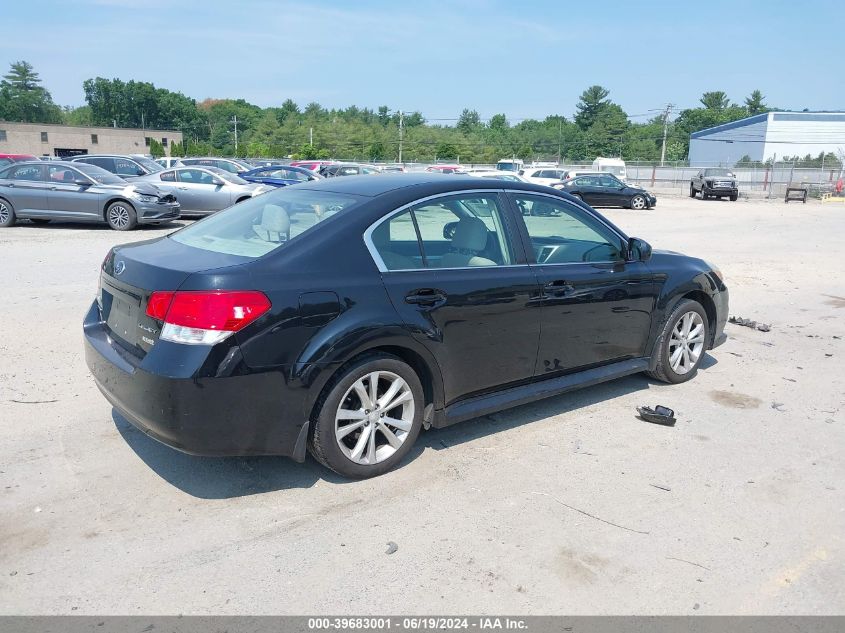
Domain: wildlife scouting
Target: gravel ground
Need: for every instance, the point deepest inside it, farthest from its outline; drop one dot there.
(569, 505)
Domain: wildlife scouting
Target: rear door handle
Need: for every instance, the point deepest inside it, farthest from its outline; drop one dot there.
(426, 297)
(558, 288)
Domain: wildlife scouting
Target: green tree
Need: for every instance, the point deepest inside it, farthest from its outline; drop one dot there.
(24, 99)
(754, 103)
(498, 122)
(716, 100)
(177, 149)
(156, 148)
(592, 101)
(468, 121)
(446, 151)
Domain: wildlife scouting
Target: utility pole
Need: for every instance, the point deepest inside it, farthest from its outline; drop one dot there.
(666, 114)
(401, 129)
(311, 136)
(559, 134)
(235, 121)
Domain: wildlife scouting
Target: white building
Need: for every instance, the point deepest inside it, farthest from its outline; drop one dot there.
(764, 136)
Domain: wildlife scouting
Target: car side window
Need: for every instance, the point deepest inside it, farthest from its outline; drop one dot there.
(583, 181)
(123, 167)
(609, 181)
(29, 173)
(461, 231)
(562, 233)
(63, 174)
(168, 176)
(196, 176)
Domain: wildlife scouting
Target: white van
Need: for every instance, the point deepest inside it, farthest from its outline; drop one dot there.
(615, 166)
(510, 164)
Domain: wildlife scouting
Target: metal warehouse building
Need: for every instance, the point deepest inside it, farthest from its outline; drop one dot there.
(770, 135)
(40, 139)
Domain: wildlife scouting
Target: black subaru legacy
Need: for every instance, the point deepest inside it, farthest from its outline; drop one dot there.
(344, 315)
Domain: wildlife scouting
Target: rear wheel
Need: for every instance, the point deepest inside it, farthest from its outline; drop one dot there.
(7, 213)
(368, 418)
(121, 216)
(691, 191)
(682, 344)
(638, 202)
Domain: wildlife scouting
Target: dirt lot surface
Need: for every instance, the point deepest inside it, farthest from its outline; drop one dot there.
(570, 505)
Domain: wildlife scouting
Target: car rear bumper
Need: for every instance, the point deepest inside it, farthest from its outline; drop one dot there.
(231, 415)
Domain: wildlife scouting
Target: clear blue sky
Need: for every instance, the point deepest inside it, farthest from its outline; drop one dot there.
(526, 59)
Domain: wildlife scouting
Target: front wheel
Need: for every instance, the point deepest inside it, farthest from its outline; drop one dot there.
(638, 203)
(682, 343)
(368, 418)
(704, 196)
(7, 213)
(691, 191)
(121, 216)
(734, 197)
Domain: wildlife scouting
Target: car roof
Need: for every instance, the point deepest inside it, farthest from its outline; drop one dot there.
(435, 183)
(52, 163)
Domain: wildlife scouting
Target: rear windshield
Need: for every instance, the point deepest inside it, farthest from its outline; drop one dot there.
(265, 223)
(150, 165)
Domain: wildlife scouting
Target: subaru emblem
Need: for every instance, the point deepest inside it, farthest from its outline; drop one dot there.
(119, 267)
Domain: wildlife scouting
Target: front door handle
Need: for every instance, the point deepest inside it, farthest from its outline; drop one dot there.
(426, 297)
(558, 288)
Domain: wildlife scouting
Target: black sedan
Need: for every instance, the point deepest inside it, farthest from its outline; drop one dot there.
(607, 190)
(345, 315)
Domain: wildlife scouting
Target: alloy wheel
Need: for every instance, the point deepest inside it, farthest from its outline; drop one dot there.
(4, 213)
(638, 203)
(374, 418)
(686, 343)
(119, 216)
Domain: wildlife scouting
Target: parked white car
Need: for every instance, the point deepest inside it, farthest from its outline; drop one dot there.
(168, 161)
(497, 174)
(543, 175)
(615, 166)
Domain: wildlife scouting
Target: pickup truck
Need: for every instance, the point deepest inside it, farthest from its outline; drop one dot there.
(715, 183)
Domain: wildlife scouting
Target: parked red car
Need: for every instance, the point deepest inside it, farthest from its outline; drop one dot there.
(445, 169)
(313, 165)
(8, 159)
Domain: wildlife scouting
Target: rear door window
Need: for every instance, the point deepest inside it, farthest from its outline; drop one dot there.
(29, 173)
(460, 231)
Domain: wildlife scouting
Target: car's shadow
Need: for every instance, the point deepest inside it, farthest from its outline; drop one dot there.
(58, 225)
(229, 477)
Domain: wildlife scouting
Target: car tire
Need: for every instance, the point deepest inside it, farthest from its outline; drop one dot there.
(121, 216)
(578, 196)
(372, 447)
(703, 195)
(691, 191)
(7, 213)
(674, 366)
(734, 197)
(40, 221)
(638, 203)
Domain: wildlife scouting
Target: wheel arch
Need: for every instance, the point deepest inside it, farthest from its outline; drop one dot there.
(425, 368)
(706, 302)
(111, 201)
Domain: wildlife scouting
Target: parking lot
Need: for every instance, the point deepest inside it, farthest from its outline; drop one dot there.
(569, 505)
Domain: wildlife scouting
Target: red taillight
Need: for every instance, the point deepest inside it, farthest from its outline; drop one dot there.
(220, 310)
(158, 303)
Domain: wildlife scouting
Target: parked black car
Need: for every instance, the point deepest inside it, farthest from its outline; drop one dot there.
(714, 183)
(344, 315)
(607, 190)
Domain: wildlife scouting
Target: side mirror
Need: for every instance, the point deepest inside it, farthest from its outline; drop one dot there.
(217, 182)
(82, 182)
(449, 230)
(638, 250)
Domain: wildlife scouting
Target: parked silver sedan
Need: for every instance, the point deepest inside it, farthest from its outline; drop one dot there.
(204, 190)
(60, 190)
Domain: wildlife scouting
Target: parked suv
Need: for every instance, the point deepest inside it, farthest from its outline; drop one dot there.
(232, 165)
(714, 183)
(344, 315)
(127, 167)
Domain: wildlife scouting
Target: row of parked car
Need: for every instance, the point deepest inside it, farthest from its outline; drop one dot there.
(127, 190)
